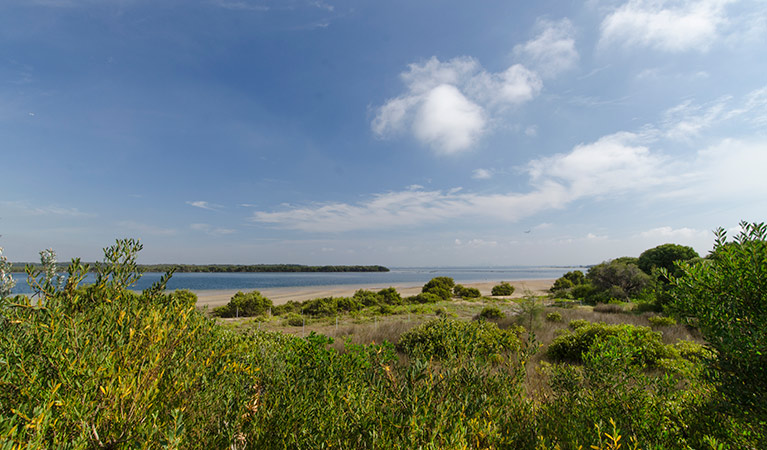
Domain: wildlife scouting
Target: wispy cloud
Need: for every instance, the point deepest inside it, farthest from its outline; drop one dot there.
(665, 25)
(26, 208)
(204, 205)
(448, 105)
(609, 167)
(482, 174)
(553, 50)
(211, 230)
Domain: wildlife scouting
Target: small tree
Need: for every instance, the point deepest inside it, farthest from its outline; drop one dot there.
(726, 298)
(664, 256)
(617, 279)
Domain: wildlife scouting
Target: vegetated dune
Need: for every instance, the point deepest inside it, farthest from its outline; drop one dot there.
(214, 298)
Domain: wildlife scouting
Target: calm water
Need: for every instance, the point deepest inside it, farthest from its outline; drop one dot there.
(414, 276)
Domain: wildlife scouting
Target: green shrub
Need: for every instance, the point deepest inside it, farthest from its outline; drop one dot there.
(724, 297)
(577, 323)
(448, 338)
(367, 298)
(293, 319)
(101, 366)
(502, 289)
(244, 305)
(464, 292)
(439, 286)
(648, 344)
(661, 321)
(390, 296)
(291, 306)
(424, 297)
(554, 317)
(491, 313)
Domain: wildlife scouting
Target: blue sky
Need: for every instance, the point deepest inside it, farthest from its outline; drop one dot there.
(365, 132)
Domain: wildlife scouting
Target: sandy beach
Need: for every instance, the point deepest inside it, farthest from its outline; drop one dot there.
(279, 296)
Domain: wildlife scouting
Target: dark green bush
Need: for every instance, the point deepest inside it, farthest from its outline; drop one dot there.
(439, 286)
(448, 338)
(573, 345)
(291, 306)
(502, 289)
(464, 292)
(390, 296)
(367, 298)
(424, 297)
(244, 305)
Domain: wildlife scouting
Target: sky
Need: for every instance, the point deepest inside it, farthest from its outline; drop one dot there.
(403, 133)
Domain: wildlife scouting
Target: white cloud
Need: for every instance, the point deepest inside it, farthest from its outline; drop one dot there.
(447, 105)
(482, 174)
(210, 229)
(672, 26)
(531, 131)
(204, 205)
(552, 51)
(447, 121)
(27, 209)
(610, 166)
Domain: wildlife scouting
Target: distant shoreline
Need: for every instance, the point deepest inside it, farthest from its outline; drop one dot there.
(281, 295)
(19, 267)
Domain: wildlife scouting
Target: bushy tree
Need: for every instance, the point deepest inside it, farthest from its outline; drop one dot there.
(390, 296)
(502, 289)
(664, 256)
(439, 286)
(615, 279)
(725, 296)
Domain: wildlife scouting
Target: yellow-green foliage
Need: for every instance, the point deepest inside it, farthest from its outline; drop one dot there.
(661, 321)
(103, 367)
(244, 305)
(646, 344)
(448, 338)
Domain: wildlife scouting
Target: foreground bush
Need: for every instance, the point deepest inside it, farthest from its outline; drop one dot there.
(102, 367)
(448, 338)
(571, 346)
(726, 298)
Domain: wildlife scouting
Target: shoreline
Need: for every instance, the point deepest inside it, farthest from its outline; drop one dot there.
(279, 296)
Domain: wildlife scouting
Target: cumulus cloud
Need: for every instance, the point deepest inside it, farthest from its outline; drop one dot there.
(672, 26)
(447, 105)
(552, 51)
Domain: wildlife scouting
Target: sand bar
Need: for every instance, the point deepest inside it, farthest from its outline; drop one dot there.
(213, 298)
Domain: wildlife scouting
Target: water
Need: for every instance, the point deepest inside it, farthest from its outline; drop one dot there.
(397, 276)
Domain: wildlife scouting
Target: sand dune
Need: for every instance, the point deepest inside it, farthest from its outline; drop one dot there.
(283, 295)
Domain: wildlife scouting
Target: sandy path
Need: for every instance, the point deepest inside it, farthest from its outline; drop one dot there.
(282, 295)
